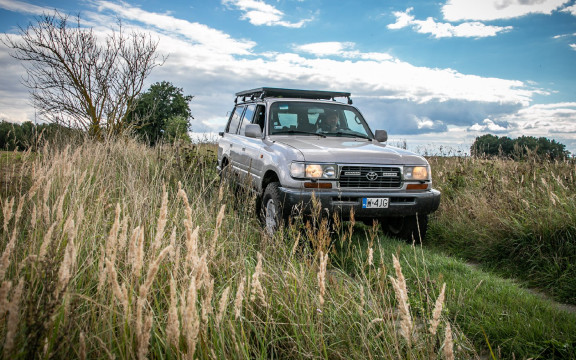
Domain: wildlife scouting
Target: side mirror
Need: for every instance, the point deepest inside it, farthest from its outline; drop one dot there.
(253, 131)
(381, 135)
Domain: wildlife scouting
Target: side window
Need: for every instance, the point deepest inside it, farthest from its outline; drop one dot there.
(354, 122)
(247, 119)
(235, 120)
(259, 116)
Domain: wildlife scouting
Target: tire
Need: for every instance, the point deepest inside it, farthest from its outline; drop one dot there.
(409, 228)
(272, 208)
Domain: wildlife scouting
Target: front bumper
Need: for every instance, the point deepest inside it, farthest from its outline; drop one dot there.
(400, 203)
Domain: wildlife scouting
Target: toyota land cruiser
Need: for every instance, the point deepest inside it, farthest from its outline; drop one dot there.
(288, 145)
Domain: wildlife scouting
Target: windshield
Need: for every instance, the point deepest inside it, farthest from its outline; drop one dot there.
(312, 118)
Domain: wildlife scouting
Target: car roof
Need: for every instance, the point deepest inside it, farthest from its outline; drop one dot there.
(267, 92)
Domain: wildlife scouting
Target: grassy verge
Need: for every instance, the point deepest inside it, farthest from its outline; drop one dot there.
(515, 218)
(117, 250)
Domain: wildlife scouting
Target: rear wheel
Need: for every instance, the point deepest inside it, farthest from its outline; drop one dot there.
(409, 228)
(272, 208)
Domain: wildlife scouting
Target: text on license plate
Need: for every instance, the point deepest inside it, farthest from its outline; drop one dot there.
(375, 203)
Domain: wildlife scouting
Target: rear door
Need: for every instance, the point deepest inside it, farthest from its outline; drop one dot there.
(229, 143)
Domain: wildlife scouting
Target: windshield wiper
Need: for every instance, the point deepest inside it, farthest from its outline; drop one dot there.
(298, 132)
(340, 133)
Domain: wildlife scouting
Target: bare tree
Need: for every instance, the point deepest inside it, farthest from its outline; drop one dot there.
(77, 77)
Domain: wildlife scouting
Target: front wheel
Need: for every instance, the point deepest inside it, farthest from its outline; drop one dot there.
(272, 208)
(409, 228)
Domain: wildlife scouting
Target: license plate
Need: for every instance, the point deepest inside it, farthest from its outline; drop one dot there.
(375, 203)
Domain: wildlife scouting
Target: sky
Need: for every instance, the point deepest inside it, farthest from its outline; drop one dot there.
(434, 74)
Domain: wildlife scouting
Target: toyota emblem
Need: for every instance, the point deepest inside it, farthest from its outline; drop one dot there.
(372, 175)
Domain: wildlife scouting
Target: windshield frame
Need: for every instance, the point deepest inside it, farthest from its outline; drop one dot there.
(303, 118)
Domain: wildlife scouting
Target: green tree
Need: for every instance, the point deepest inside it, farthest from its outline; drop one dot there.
(163, 101)
(485, 145)
(491, 145)
(177, 130)
(80, 78)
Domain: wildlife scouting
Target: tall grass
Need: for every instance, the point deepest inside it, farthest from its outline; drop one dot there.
(120, 251)
(515, 217)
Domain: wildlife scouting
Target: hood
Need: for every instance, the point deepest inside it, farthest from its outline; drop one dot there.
(349, 150)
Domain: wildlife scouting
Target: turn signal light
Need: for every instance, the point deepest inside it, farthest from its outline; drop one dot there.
(317, 185)
(417, 187)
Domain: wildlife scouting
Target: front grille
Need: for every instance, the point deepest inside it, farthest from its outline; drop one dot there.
(373, 177)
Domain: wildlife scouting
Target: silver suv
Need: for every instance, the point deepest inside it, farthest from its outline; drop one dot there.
(290, 145)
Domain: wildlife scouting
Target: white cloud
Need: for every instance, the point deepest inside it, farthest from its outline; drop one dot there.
(258, 13)
(573, 46)
(326, 48)
(487, 126)
(24, 7)
(342, 49)
(408, 100)
(556, 121)
(487, 10)
(570, 9)
(441, 30)
(199, 34)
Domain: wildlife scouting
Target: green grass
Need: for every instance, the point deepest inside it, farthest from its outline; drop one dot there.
(517, 219)
(102, 312)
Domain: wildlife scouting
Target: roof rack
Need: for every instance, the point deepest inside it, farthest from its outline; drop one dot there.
(265, 92)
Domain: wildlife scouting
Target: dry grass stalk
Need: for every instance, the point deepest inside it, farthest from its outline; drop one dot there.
(139, 254)
(152, 271)
(437, 311)
(13, 309)
(362, 300)
(207, 308)
(112, 243)
(34, 216)
(7, 211)
(144, 337)
(4, 291)
(161, 221)
(5, 259)
(120, 292)
(123, 238)
(45, 207)
(322, 277)
(223, 306)
(191, 320)
(145, 287)
(60, 206)
(102, 268)
(371, 257)
(220, 193)
(82, 350)
(256, 289)
(19, 209)
(191, 245)
(69, 260)
(239, 298)
(173, 323)
(175, 252)
(401, 292)
(448, 343)
(131, 256)
(187, 209)
(219, 220)
(296, 242)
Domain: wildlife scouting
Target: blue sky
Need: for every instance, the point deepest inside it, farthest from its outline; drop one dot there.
(433, 73)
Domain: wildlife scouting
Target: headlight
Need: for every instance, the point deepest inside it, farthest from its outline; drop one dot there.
(301, 170)
(416, 173)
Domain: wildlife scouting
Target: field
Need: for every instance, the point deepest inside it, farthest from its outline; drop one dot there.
(121, 251)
